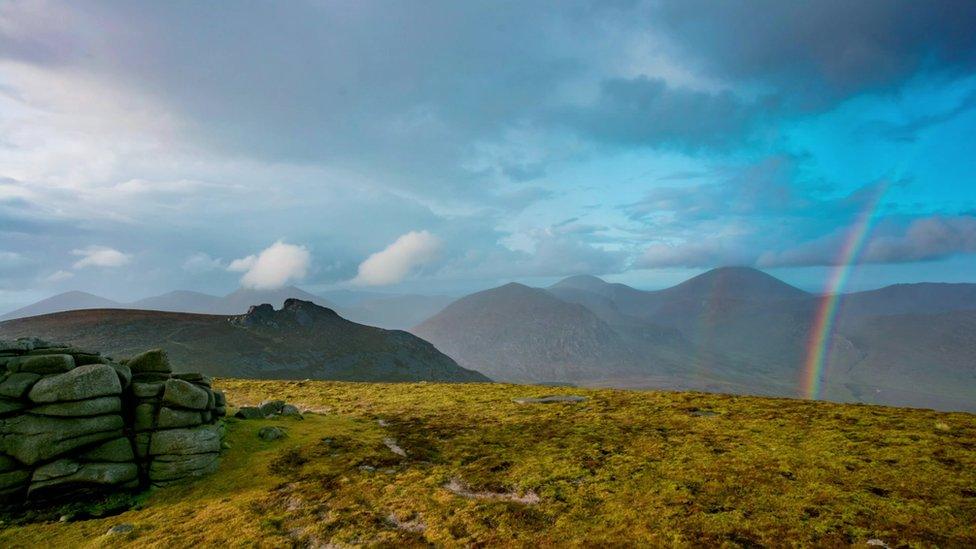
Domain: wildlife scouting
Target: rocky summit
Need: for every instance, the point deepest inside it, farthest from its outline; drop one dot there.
(74, 421)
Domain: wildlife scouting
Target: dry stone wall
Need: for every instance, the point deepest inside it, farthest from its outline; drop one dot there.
(72, 420)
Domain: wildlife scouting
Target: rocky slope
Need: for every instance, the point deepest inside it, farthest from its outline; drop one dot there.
(301, 340)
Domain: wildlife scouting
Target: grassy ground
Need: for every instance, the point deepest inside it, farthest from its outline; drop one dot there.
(622, 468)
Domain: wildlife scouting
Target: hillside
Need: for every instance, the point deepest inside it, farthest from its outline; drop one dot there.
(301, 340)
(521, 334)
(923, 360)
(622, 468)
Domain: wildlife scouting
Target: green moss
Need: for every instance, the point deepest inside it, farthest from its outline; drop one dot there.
(648, 468)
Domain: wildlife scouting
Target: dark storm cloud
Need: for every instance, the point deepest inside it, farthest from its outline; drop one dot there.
(819, 52)
(647, 112)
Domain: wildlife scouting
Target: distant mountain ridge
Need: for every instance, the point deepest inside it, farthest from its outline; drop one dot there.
(391, 311)
(67, 301)
(179, 301)
(298, 341)
(740, 330)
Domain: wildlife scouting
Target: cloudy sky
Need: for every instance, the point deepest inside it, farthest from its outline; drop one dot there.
(449, 146)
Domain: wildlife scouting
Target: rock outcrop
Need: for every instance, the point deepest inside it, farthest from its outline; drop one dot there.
(72, 421)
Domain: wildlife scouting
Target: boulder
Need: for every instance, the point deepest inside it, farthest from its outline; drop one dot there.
(9, 406)
(42, 364)
(169, 418)
(169, 468)
(269, 407)
(220, 411)
(124, 373)
(219, 399)
(55, 469)
(249, 412)
(90, 407)
(197, 440)
(271, 433)
(184, 394)
(154, 360)
(90, 381)
(86, 473)
(88, 358)
(123, 528)
(290, 410)
(15, 385)
(30, 438)
(18, 346)
(144, 417)
(142, 444)
(117, 451)
(147, 390)
(149, 377)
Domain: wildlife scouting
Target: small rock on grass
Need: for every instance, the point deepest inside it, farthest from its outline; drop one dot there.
(271, 433)
(123, 528)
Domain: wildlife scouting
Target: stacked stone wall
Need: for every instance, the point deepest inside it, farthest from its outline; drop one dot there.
(72, 420)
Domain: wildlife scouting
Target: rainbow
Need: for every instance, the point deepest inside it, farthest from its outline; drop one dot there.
(826, 313)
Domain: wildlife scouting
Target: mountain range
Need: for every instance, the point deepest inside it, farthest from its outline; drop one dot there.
(298, 341)
(732, 329)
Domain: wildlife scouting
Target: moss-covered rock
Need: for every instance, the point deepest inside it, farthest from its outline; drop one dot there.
(31, 438)
(93, 380)
(17, 384)
(183, 394)
(90, 407)
(152, 361)
(197, 440)
(42, 364)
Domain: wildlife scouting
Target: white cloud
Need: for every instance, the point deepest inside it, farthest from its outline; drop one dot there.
(274, 267)
(201, 262)
(10, 257)
(100, 256)
(58, 276)
(396, 261)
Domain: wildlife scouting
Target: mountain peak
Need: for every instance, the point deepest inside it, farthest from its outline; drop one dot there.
(738, 282)
(582, 282)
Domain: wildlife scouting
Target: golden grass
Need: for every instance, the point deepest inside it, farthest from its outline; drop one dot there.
(622, 468)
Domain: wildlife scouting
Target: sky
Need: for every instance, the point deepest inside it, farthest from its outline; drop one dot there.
(445, 147)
